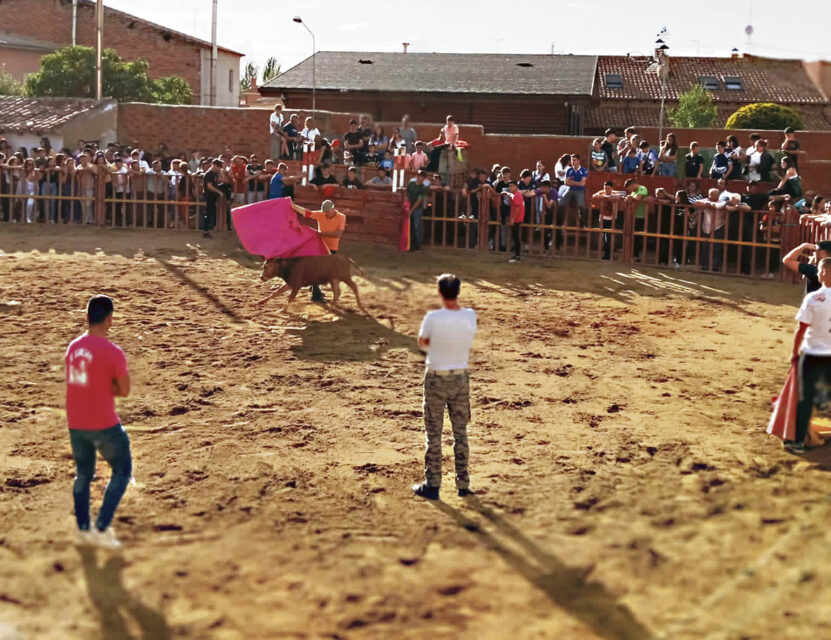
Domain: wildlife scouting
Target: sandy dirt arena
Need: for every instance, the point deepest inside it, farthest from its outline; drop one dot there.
(625, 486)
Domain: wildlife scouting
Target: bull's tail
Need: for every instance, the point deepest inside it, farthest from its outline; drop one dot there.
(355, 264)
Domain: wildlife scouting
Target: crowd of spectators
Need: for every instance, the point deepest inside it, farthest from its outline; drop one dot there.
(133, 176)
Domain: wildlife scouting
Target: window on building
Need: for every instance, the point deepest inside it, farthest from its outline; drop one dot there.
(733, 83)
(524, 64)
(230, 81)
(709, 82)
(614, 81)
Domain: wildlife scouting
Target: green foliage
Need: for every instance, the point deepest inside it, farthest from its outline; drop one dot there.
(70, 72)
(172, 90)
(248, 75)
(271, 69)
(696, 110)
(9, 86)
(764, 115)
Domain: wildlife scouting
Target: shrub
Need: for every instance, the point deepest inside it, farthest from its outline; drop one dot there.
(764, 115)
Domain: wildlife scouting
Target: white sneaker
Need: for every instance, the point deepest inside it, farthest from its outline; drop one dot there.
(514, 259)
(85, 538)
(106, 539)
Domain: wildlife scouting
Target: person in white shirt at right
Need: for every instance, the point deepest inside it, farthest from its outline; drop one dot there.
(812, 352)
(447, 336)
(310, 131)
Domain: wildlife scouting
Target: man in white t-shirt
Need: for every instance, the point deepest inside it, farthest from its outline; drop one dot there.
(447, 336)
(279, 147)
(813, 340)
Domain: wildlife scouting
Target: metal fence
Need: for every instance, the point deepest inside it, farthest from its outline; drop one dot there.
(648, 232)
(125, 200)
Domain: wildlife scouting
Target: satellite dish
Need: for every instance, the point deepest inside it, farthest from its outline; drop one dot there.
(749, 29)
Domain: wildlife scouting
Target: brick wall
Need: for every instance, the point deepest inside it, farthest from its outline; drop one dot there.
(51, 21)
(245, 130)
(185, 128)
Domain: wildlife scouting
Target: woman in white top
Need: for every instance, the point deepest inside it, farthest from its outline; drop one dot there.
(310, 132)
(29, 187)
(561, 167)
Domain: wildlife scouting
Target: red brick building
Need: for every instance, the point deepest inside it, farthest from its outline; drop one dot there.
(629, 94)
(31, 28)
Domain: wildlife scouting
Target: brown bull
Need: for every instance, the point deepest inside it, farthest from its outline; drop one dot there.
(311, 270)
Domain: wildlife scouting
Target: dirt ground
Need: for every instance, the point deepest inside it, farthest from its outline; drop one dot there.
(625, 486)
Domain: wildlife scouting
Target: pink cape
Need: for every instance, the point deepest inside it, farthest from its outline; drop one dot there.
(271, 229)
(783, 421)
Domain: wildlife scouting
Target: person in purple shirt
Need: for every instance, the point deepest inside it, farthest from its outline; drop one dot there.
(576, 177)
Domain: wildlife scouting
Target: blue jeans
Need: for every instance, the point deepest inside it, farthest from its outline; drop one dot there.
(50, 189)
(667, 169)
(114, 446)
(415, 225)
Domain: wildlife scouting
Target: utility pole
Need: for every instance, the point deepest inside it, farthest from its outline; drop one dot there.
(213, 54)
(99, 33)
(74, 21)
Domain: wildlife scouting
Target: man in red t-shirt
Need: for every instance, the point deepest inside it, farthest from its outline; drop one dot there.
(239, 178)
(96, 372)
(517, 216)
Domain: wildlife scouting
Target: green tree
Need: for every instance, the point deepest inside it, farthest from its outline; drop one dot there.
(9, 86)
(764, 115)
(271, 69)
(70, 72)
(695, 110)
(172, 90)
(248, 75)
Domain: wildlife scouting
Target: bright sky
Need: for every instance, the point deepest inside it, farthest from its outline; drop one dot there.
(263, 28)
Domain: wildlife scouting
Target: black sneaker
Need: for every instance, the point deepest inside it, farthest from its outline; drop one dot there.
(464, 493)
(424, 490)
(794, 447)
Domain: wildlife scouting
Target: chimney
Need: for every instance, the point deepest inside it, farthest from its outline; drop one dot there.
(406, 44)
(734, 54)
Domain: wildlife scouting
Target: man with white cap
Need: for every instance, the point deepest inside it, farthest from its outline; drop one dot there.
(331, 224)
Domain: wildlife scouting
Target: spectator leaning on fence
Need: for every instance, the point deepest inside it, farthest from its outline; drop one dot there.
(636, 192)
(350, 180)
(606, 199)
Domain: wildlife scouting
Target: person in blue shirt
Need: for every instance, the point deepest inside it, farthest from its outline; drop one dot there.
(648, 158)
(280, 181)
(722, 166)
(576, 177)
(631, 163)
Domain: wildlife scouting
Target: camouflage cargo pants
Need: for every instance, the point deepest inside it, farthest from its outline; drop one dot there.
(453, 392)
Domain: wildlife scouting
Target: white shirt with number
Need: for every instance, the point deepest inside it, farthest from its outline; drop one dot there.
(816, 312)
(451, 336)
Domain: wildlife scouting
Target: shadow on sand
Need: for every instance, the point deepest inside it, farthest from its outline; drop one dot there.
(119, 611)
(566, 587)
(351, 336)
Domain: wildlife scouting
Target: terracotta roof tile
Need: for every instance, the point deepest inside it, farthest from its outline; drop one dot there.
(763, 79)
(38, 115)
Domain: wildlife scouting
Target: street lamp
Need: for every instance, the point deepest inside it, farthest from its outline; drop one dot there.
(661, 68)
(299, 20)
